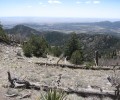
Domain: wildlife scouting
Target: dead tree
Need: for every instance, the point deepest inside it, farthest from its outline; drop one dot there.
(16, 83)
(115, 81)
(117, 92)
(62, 55)
(96, 58)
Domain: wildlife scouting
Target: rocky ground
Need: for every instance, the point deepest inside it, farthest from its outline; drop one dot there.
(12, 59)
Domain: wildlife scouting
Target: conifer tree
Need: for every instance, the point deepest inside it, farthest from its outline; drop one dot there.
(3, 35)
(77, 57)
(72, 45)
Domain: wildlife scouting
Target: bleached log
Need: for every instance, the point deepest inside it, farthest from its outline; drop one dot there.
(77, 66)
(12, 95)
(84, 92)
(25, 96)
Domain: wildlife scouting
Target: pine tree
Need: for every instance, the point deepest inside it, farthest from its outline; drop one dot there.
(3, 36)
(73, 44)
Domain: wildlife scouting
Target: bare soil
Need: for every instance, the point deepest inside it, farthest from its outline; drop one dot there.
(25, 68)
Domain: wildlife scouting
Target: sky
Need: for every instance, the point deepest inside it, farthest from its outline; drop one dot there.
(60, 8)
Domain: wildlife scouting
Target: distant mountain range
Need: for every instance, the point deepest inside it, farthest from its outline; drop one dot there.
(103, 42)
(104, 27)
(66, 25)
(41, 20)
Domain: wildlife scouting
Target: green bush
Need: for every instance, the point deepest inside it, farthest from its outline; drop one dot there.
(3, 35)
(54, 95)
(89, 65)
(56, 51)
(27, 48)
(77, 57)
(36, 46)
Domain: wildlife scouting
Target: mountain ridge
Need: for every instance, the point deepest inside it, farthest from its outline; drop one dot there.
(96, 27)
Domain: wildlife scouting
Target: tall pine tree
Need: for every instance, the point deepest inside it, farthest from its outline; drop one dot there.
(72, 48)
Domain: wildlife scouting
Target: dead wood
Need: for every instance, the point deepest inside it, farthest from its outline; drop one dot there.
(61, 57)
(11, 93)
(26, 96)
(84, 92)
(16, 83)
(78, 66)
(115, 81)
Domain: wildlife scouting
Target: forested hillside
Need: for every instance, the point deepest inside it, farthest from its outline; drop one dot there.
(3, 35)
(104, 43)
(22, 30)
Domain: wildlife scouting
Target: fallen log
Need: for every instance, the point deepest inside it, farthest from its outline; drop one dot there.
(25, 96)
(11, 95)
(92, 92)
(77, 66)
(83, 92)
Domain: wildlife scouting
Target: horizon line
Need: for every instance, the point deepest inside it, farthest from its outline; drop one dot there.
(56, 17)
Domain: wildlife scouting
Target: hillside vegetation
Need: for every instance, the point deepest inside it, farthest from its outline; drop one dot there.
(3, 35)
(34, 61)
(106, 44)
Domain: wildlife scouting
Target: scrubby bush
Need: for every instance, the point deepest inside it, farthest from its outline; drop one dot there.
(27, 48)
(36, 46)
(3, 35)
(54, 95)
(89, 65)
(56, 51)
(77, 57)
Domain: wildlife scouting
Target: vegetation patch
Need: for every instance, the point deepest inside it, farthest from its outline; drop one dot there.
(53, 94)
(35, 46)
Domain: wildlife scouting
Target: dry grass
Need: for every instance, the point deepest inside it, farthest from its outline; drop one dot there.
(25, 68)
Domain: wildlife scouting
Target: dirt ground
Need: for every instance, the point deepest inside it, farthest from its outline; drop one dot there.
(12, 59)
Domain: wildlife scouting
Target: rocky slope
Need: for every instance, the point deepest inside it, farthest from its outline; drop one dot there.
(12, 59)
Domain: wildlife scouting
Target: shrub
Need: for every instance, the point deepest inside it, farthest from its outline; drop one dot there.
(56, 51)
(3, 35)
(27, 49)
(89, 65)
(36, 46)
(77, 57)
(54, 95)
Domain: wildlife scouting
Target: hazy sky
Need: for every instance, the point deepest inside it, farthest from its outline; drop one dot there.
(61, 8)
